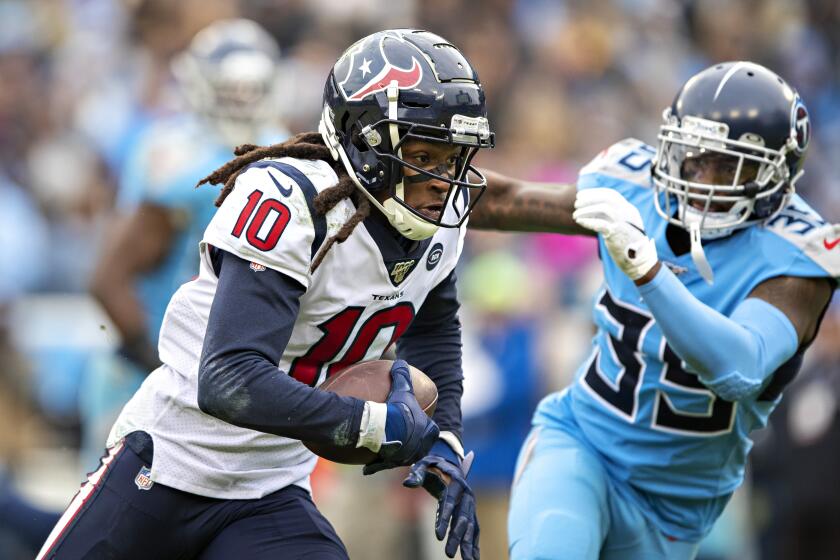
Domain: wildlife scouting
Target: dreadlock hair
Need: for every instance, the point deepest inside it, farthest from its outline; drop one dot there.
(306, 145)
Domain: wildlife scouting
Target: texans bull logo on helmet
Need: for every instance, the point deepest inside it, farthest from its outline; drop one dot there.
(368, 70)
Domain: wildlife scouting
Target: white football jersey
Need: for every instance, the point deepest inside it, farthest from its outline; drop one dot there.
(353, 309)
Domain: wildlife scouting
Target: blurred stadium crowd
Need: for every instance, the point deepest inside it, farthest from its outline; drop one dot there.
(80, 80)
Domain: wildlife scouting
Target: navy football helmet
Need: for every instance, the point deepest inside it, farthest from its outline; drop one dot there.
(737, 109)
(398, 85)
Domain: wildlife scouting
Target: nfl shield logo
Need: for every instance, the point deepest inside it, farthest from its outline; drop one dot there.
(256, 267)
(144, 479)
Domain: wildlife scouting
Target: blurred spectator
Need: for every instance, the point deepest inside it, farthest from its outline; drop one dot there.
(22, 237)
(114, 109)
(21, 526)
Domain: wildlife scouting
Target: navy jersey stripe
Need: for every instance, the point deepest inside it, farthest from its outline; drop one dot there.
(309, 192)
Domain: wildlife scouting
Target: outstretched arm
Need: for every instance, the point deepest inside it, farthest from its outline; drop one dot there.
(513, 205)
(735, 355)
(732, 355)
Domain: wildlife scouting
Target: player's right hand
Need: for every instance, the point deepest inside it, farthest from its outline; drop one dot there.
(605, 211)
(409, 433)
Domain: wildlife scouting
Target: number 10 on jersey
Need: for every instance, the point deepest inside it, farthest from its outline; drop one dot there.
(267, 225)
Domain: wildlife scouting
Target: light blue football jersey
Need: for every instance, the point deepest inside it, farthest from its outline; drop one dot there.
(671, 445)
(169, 158)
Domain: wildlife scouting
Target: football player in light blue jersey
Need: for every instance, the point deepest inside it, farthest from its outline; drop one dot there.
(716, 277)
(227, 78)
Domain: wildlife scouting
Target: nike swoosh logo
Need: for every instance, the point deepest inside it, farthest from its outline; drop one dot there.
(285, 191)
(831, 244)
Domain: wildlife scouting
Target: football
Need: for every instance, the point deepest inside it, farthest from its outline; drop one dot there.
(370, 381)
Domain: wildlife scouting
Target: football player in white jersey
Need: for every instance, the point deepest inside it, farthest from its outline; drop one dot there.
(325, 251)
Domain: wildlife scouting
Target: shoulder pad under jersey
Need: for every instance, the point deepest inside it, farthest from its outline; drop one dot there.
(625, 161)
(801, 226)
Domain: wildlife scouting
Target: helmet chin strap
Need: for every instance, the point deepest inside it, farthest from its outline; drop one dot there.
(398, 216)
(695, 219)
(699, 256)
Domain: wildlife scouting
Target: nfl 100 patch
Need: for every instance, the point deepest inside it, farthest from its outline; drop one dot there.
(398, 271)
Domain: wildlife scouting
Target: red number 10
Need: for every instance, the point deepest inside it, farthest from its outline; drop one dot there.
(281, 220)
(337, 330)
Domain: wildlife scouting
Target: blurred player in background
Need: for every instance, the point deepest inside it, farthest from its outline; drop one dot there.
(227, 80)
(716, 278)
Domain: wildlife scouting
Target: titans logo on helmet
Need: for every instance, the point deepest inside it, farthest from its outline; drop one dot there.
(368, 70)
(801, 125)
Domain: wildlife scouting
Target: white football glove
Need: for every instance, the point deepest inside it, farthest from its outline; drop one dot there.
(620, 224)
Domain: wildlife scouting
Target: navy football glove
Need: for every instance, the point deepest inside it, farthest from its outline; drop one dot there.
(456, 502)
(409, 433)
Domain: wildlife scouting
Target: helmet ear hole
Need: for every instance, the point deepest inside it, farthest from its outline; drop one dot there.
(344, 120)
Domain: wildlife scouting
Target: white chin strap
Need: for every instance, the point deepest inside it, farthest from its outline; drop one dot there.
(693, 218)
(398, 216)
(405, 222)
(699, 256)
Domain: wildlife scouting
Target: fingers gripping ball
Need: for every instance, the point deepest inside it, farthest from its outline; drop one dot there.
(407, 434)
(370, 381)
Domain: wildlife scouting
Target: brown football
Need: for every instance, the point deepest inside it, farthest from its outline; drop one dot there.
(370, 381)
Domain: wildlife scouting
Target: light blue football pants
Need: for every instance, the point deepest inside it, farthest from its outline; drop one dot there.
(563, 506)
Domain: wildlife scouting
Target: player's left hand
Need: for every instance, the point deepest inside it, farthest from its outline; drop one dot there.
(619, 222)
(447, 482)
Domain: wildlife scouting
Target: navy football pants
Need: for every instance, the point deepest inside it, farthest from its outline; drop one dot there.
(111, 517)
